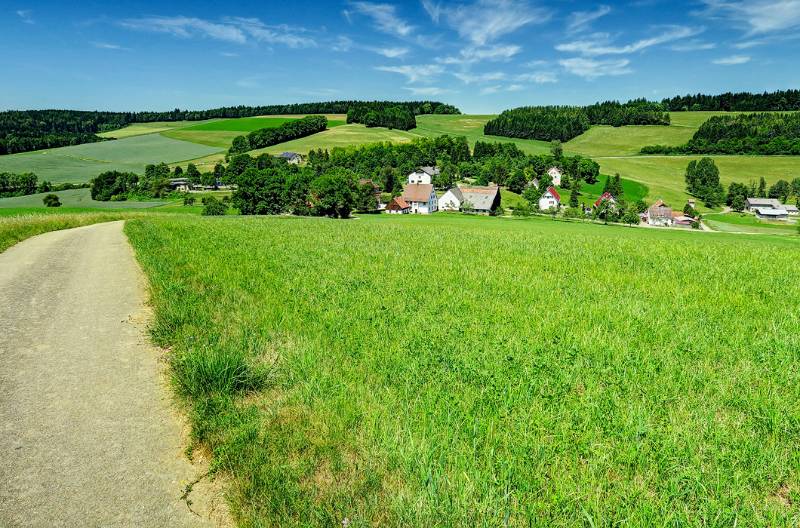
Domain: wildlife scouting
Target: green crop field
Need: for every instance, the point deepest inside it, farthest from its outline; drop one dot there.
(81, 163)
(140, 129)
(72, 198)
(462, 371)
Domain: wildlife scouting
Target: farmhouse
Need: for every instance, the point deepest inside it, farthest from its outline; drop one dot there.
(180, 184)
(423, 175)
(769, 213)
(474, 199)
(398, 206)
(791, 210)
(550, 199)
(293, 158)
(762, 203)
(555, 174)
(659, 214)
(421, 197)
(606, 197)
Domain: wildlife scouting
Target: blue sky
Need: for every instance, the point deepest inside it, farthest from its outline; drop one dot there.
(481, 55)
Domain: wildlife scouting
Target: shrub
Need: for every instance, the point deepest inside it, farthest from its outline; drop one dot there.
(213, 207)
(51, 200)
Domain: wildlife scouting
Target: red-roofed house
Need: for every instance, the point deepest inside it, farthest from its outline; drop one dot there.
(608, 197)
(398, 206)
(550, 199)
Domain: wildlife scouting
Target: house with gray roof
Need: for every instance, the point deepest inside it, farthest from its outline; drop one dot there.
(473, 199)
(762, 203)
(423, 175)
(291, 157)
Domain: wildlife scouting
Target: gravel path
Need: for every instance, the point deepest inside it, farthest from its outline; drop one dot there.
(87, 433)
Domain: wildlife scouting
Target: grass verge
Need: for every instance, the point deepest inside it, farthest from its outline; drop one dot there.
(17, 228)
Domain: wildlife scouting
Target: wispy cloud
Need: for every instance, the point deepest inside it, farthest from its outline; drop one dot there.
(342, 44)
(600, 44)
(594, 68)
(108, 46)
(26, 15)
(473, 54)
(426, 90)
(471, 78)
(732, 60)
(487, 20)
(385, 17)
(693, 45)
(580, 20)
(489, 90)
(537, 77)
(390, 52)
(757, 17)
(515, 88)
(414, 74)
(238, 30)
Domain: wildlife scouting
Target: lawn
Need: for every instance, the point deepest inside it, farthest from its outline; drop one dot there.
(744, 222)
(461, 371)
(81, 163)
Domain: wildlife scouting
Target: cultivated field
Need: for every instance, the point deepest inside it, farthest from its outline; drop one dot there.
(461, 371)
(72, 198)
(81, 163)
(140, 129)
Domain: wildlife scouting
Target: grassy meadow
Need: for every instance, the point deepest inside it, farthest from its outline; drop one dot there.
(141, 129)
(81, 163)
(23, 224)
(73, 198)
(462, 371)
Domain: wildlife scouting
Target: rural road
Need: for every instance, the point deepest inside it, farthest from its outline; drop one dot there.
(88, 436)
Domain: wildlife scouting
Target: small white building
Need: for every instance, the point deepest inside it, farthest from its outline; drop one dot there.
(293, 158)
(769, 213)
(451, 200)
(421, 198)
(792, 210)
(423, 175)
(659, 214)
(555, 174)
(550, 199)
(471, 199)
(398, 206)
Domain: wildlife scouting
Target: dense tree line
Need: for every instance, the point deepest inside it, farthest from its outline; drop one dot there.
(563, 123)
(763, 134)
(266, 137)
(26, 130)
(12, 184)
(742, 101)
(389, 117)
(702, 181)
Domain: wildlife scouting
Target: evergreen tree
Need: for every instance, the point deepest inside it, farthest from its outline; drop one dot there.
(762, 188)
(576, 192)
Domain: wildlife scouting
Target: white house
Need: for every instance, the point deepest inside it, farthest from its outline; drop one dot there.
(293, 158)
(606, 197)
(398, 206)
(659, 214)
(550, 199)
(421, 198)
(423, 175)
(473, 199)
(555, 174)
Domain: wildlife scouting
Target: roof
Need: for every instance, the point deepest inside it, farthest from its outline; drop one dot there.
(763, 202)
(480, 198)
(790, 208)
(456, 192)
(551, 170)
(289, 155)
(605, 196)
(552, 190)
(433, 171)
(660, 210)
(397, 203)
(769, 211)
(417, 192)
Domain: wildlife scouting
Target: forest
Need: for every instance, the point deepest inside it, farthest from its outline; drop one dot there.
(563, 123)
(761, 134)
(741, 102)
(394, 116)
(266, 137)
(28, 130)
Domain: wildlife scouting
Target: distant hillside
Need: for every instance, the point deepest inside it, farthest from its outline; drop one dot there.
(28, 130)
(733, 102)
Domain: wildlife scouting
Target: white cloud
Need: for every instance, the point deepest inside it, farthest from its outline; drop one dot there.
(385, 17)
(470, 78)
(391, 53)
(599, 44)
(228, 54)
(747, 44)
(515, 88)
(26, 15)
(487, 20)
(581, 19)
(342, 44)
(757, 16)
(593, 68)
(233, 29)
(537, 77)
(472, 54)
(732, 60)
(693, 45)
(490, 90)
(107, 46)
(413, 74)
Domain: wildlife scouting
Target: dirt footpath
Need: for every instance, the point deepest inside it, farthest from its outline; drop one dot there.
(88, 435)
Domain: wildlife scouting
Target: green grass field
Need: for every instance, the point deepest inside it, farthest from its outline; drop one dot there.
(140, 129)
(744, 222)
(81, 163)
(461, 371)
(75, 198)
